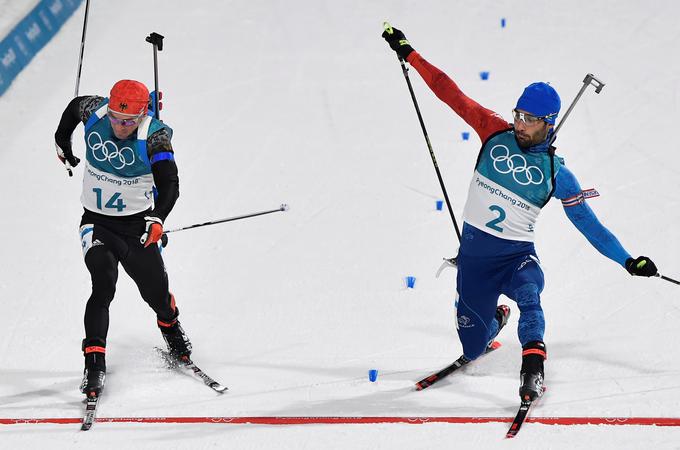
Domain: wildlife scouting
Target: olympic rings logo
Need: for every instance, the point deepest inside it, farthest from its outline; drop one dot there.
(517, 164)
(109, 151)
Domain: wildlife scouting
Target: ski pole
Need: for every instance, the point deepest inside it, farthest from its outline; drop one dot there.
(82, 50)
(156, 40)
(164, 237)
(667, 278)
(67, 165)
(587, 81)
(283, 207)
(404, 69)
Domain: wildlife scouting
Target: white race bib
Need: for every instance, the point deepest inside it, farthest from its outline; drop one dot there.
(111, 195)
(498, 211)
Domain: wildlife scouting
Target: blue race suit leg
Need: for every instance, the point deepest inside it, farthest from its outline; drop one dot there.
(479, 283)
(525, 287)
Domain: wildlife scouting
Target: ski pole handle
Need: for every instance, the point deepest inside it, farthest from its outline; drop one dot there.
(68, 168)
(388, 29)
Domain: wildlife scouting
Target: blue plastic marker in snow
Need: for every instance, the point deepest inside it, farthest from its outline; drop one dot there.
(439, 205)
(373, 375)
(465, 135)
(503, 22)
(410, 282)
(484, 75)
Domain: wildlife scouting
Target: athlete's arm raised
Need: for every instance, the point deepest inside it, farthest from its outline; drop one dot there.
(484, 121)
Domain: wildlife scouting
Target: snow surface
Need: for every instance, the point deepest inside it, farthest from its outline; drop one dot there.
(13, 12)
(303, 103)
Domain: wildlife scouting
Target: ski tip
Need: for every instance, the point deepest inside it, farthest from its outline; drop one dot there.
(387, 27)
(219, 388)
(495, 345)
(512, 432)
(422, 384)
(427, 382)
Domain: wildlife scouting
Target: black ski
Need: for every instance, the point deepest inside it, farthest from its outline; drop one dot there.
(90, 412)
(448, 370)
(177, 363)
(521, 416)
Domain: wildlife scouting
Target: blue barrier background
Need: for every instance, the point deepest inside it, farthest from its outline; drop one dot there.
(18, 48)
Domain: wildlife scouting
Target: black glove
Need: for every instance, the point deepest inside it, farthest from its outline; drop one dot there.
(641, 266)
(397, 42)
(65, 155)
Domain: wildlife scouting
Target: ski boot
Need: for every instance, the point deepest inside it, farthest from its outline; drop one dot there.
(531, 375)
(95, 370)
(502, 316)
(179, 345)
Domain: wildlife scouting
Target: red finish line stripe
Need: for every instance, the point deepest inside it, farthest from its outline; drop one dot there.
(658, 421)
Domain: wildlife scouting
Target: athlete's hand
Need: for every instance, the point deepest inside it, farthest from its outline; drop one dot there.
(153, 232)
(641, 266)
(397, 41)
(67, 158)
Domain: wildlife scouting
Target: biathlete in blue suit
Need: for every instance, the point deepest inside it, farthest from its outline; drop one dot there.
(516, 174)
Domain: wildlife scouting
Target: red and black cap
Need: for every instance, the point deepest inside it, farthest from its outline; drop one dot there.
(129, 97)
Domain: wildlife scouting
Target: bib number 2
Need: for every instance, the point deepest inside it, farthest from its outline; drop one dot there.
(493, 224)
(115, 202)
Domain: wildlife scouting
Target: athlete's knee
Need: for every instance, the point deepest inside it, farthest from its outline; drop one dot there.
(103, 285)
(103, 268)
(473, 349)
(100, 299)
(473, 337)
(473, 324)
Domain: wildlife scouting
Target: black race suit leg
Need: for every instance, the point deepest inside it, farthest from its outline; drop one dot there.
(102, 263)
(146, 268)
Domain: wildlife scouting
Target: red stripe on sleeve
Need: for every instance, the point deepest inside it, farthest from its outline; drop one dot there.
(484, 121)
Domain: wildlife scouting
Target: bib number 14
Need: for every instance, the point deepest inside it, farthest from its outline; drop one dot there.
(493, 224)
(115, 202)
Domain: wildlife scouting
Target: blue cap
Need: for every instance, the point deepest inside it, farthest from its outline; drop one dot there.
(540, 99)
